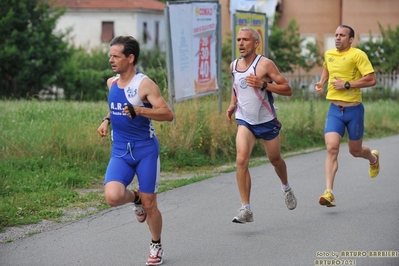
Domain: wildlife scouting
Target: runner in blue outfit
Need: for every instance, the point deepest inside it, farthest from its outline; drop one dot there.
(134, 101)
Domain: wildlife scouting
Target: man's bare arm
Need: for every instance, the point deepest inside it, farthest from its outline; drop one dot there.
(280, 85)
(149, 92)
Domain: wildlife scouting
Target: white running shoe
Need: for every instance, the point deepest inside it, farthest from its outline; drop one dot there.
(141, 215)
(156, 254)
(244, 215)
(290, 199)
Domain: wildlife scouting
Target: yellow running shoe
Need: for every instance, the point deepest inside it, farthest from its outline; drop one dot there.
(375, 168)
(327, 199)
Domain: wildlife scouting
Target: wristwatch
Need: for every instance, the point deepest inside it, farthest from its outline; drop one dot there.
(107, 118)
(264, 86)
(347, 85)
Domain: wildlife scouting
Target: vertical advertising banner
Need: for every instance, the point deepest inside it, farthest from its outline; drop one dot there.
(251, 20)
(193, 32)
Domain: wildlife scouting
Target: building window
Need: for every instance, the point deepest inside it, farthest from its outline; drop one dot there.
(107, 31)
(146, 34)
(156, 34)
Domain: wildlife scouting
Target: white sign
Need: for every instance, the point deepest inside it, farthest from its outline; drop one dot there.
(193, 29)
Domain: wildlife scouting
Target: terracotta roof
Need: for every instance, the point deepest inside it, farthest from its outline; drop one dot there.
(114, 4)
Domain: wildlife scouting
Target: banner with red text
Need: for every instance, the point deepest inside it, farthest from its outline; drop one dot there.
(192, 50)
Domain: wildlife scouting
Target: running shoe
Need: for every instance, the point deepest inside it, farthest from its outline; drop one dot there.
(290, 199)
(156, 254)
(141, 215)
(244, 215)
(375, 168)
(327, 199)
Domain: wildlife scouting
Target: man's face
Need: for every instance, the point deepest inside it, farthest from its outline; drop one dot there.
(246, 43)
(342, 40)
(119, 62)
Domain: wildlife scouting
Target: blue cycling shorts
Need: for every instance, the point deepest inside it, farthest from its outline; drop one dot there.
(351, 118)
(266, 131)
(139, 158)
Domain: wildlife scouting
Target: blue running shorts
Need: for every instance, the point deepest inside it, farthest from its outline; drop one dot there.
(266, 131)
(139, 158)
(351, 118)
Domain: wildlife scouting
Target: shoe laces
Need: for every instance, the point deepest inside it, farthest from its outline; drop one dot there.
(329, 195)
(154, 249)
(289, 195)
(243, 209)
(138, 209)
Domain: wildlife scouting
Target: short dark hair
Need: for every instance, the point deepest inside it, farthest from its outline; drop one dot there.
(130, 46)
(351, 31)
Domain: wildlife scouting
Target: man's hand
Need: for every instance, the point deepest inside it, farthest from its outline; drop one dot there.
(230, 112)
(338, 84)
(253, 81)
(103, 129)
(319, 88)
(129, 109)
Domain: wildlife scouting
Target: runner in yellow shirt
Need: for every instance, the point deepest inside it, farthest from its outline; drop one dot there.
(347, 70)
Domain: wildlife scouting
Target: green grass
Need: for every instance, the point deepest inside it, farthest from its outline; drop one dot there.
(52, 159)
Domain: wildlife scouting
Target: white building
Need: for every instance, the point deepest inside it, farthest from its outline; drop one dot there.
(95, 22)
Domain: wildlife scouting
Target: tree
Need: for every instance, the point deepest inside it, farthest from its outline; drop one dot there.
(286, 49)
(84, 75)
(383, 52)
(30, 53)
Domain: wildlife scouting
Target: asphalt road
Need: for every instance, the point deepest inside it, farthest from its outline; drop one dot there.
(198, 228)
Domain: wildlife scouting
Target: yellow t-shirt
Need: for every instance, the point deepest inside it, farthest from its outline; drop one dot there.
(348, 66)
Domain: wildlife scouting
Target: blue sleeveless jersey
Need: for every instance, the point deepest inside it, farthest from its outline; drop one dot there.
(125, 129)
